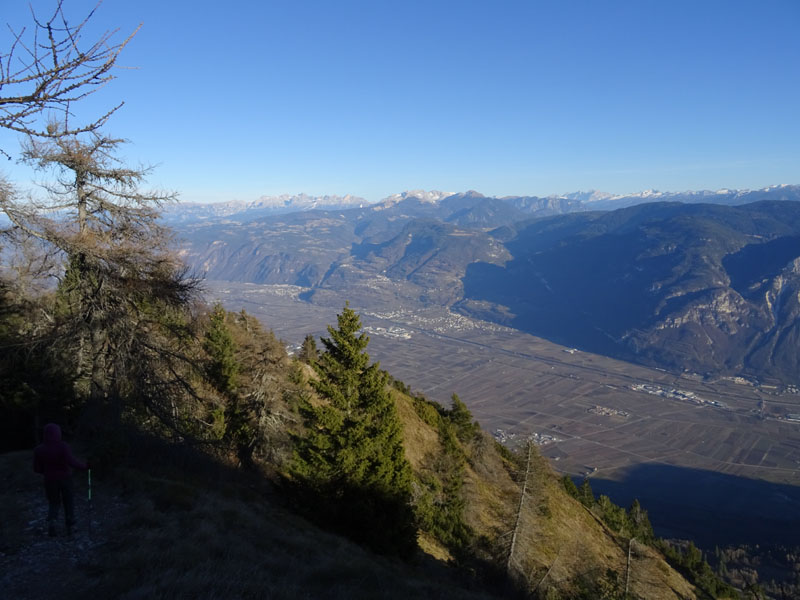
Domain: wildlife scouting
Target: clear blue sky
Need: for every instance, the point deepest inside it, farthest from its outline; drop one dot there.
(238, 99)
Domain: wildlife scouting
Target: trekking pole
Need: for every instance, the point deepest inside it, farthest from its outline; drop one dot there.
(89, 498)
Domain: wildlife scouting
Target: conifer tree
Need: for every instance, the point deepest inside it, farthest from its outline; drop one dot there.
(352, 453)
(585, 494)
(308, 351)
(461, 418)
(111, 334)
(244, 364)
(218, 343)
(51, 64)
(640, 522)
(570, 486)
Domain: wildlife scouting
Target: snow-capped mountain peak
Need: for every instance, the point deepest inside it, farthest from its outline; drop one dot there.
(431, 197)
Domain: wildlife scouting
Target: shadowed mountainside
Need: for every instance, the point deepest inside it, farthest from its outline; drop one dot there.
(725, 510)
(681, 286)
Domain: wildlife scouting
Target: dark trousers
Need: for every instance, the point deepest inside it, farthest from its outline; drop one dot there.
(59, 492)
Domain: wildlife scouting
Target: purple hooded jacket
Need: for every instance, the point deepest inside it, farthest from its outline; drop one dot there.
(53, 458)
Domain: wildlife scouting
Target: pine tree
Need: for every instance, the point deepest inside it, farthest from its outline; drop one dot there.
(308, 352)
(461, 418)
(570, 486)
(640, 522)
(55, 61)
(218, 343)
(245, 366)
(585, 494)
(118, 325)
(352, 453)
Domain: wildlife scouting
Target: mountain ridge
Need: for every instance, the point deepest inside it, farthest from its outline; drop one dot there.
(185, 212)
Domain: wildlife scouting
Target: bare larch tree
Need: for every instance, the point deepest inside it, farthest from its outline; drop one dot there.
(121, 289)
(113, 325)
(48, 67)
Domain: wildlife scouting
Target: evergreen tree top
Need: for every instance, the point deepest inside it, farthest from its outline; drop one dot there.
(344, 346)
(353, 448)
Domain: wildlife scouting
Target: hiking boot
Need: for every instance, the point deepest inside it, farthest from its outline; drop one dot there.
(51, 529)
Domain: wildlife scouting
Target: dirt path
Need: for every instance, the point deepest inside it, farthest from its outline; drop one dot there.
(34, 566)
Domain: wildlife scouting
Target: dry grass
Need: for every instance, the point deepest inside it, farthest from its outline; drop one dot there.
(491, 493)
(559, 542)
(223, 548)
(420, 439)
(160, 533)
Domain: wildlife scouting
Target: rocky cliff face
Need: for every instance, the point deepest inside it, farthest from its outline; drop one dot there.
(750, 328)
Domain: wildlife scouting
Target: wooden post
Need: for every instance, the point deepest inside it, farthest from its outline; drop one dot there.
(628, 568)
(519, 509)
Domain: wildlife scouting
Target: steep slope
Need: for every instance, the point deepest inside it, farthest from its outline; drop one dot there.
(550, 543)
(424, 263)
(183, 527)
(298, 248)
(173, 522)
(238, 243)
(699, 287)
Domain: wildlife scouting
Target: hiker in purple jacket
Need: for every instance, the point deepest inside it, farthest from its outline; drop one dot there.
(53, 459)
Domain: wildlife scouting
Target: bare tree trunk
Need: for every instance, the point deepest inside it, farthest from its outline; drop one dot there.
(80, 189)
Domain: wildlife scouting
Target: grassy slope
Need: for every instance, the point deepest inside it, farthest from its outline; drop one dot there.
(165, 531)
(558, 540)
(181, 526)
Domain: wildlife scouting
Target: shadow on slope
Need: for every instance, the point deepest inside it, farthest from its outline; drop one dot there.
(173, 523)
(756, 263)
(708, 507)
(576, 294)
(651, 283)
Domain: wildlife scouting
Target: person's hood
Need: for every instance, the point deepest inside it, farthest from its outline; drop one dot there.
(52, 433)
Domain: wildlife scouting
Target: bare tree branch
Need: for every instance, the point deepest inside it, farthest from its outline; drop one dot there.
(48, 67)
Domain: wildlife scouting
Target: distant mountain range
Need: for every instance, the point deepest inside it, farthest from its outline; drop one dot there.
(186, 212)
(708, 287)
(238, 210)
